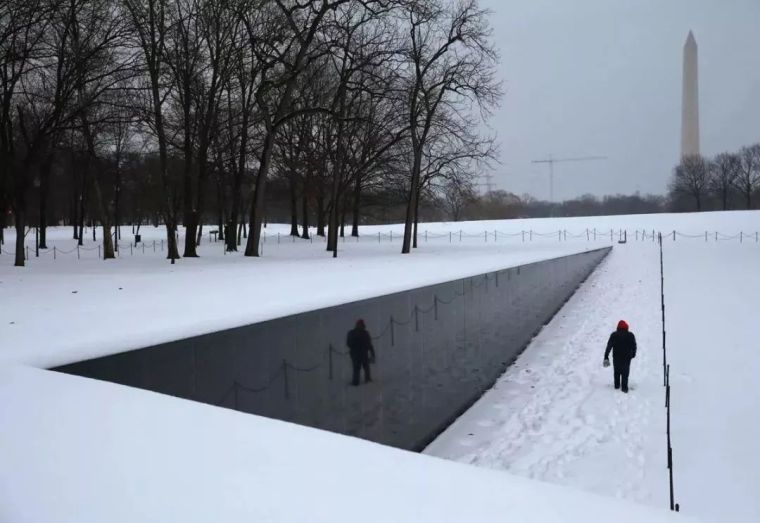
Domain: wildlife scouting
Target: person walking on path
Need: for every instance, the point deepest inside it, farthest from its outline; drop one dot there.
(622, 343)
(362, 352)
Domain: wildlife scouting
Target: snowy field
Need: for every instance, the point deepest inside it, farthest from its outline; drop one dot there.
(84, 451)
(74, 449)
(554, 415)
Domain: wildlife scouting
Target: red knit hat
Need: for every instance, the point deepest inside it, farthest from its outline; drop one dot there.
(622, 325)
(360, 324)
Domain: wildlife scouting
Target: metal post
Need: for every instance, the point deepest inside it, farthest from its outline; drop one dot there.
(54, 252)
(98, 251)
(78, 250)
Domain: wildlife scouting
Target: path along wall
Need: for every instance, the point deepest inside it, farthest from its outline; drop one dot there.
(438, 349)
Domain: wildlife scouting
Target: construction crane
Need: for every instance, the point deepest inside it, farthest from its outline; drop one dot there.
(551, 161)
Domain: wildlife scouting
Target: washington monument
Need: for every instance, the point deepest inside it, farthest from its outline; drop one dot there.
(690, 100)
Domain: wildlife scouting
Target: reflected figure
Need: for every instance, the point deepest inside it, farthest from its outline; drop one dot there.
(622, 343)
(362, 352)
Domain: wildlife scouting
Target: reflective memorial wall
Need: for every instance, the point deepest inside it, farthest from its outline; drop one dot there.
(438, 349)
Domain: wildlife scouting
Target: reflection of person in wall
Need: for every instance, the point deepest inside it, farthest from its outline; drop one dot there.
(622, 343)
(362, 352)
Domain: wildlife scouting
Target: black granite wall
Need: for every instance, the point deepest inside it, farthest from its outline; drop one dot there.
(438, 349)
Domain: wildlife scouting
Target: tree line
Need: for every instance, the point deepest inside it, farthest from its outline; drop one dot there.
(729, 180)
(184, 112)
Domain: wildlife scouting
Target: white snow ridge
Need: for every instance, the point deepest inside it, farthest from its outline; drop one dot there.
(552, 441)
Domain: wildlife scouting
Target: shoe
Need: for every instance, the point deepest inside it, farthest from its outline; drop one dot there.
(625, 390)
(617, 387)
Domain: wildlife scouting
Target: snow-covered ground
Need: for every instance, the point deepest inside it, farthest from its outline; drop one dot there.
(74, 449)
(554, 415)
(79, 450)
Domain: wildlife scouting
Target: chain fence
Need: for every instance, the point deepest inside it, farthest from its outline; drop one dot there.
(121, 248)
(666, 381)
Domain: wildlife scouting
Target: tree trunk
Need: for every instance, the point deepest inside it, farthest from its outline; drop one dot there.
(44, 190)
(343, 221)
(321, 213)
(82, 198)
(18, 214)
(355, 211)
(305, 215)
(116, 201)
(256, 217)
(411, 201)
(293, 206)
(416, 219)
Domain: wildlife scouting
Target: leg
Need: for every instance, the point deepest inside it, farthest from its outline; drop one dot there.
(356, 365)
(616, 373)
(626, 367)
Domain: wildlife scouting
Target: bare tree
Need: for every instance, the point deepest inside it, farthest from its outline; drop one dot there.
(149, 24)
(747, 180)
(690, 178)
(723, 170)
(457, 195)
(451, 66)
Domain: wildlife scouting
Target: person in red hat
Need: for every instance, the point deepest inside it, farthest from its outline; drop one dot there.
(622, 343)
(362, 352)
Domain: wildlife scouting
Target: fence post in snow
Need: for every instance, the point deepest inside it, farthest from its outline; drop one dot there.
(378, 236)
(531, 235)
(98, 251)
(523, 236)
(594, 233)
(637, 235)
(425, 235)
(674, 235)
(54, 253)
(559, 236)
(485, 236)
(741, 237)
(705, 236)
(460, 235)
(154, 245)
(391, 235)
(449, 236)
(130, 250)
(587, 235)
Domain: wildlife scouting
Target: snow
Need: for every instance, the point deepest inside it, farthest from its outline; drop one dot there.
(75, 449)
(155, 302)
(142, 300)
(554, 416)
(80, 450)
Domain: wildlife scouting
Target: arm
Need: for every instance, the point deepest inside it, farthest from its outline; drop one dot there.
(634, 346)
(609, 347)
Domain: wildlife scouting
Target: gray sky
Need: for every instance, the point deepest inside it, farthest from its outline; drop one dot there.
(603, 77)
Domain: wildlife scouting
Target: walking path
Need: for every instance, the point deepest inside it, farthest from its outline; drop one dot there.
(554, 414)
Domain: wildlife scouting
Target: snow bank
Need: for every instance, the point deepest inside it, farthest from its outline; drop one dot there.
(78, 450)
(142, 300)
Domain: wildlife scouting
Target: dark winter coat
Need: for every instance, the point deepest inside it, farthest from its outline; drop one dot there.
(622, 343)
(360, 343)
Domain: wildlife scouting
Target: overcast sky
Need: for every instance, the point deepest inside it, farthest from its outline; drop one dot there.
(603, 77)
